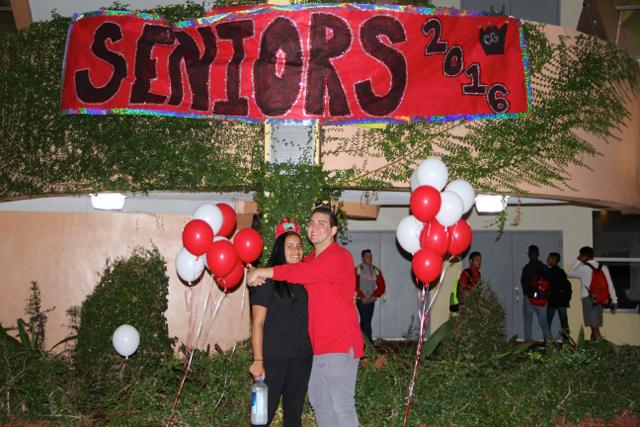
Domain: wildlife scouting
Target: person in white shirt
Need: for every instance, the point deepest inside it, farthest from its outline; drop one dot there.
(591, 312)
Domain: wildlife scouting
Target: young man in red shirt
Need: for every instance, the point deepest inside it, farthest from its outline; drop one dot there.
(328, 274)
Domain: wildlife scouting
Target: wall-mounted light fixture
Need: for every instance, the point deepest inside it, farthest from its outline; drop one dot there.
(490, 203)
(107, 201)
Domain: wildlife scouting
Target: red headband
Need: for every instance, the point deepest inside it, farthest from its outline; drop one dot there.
(285, 226)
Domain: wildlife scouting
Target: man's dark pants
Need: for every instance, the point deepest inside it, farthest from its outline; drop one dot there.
(366, 314)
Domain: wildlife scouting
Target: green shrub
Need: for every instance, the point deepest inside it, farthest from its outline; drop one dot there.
(29, 377)
(131, 290)
(478, 330)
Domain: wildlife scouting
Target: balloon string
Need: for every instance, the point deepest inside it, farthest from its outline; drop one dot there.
(244, 290)
(202, 315)
(191, 352)
(211, 316)
(188, 296)
(424, 316)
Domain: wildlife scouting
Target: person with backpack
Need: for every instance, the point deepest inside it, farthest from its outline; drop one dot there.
(469, 279)
(596, 287)
(559, 293)
(535, 289)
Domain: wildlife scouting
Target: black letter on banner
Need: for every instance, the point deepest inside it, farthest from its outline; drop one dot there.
(197, 68)
(496, 98)
(322, 74)
(236, 32)
(475, 87)
(435, 45)
(276, 94)
(453, 62)
(85, 90)
(145, 68)
(394, 60)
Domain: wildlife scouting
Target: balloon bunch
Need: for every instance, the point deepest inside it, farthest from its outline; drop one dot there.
(435, 227)
(206, 243)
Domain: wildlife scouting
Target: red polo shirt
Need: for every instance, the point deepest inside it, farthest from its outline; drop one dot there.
(330, 282)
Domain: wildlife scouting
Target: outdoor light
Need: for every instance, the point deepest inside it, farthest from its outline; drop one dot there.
(489, 203)
(108, 201)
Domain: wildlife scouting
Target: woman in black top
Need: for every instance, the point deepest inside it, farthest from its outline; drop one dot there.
(282, 352)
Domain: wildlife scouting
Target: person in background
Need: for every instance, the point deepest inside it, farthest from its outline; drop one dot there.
(469, 279)
(328, 275)
(369, 286)
(559, 293)
(533, 270)
(282, 353)
(583, 270)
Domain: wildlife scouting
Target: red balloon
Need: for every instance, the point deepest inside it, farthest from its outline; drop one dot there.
(248, 243)
(426, 265)
(232, 279)
(425, 202)
(435, 236)
(460, 237)
(221, 258)
(228, 220)
(197, 237)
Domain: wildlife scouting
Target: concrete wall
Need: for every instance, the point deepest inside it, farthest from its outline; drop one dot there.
(64, 252)
(576, 225)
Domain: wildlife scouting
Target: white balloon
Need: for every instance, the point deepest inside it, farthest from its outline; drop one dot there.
(451, 208)
(125, 340)
(211, 214)
(188, 266)
(466, 192)
(433, 172)
(408, 233)
(413, 181)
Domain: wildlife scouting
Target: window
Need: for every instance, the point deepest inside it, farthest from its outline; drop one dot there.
(616, 242)
(7, 23)
(547, 11)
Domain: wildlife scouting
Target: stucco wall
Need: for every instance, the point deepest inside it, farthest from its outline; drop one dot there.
(64, 252)
(576, 225)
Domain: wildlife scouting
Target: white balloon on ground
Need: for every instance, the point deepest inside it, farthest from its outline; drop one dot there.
(408, 233)
(413, 181)
(211, 214)
(466, 192)
(125, 340)
(451, 208)
(432, 171)
(188, 266)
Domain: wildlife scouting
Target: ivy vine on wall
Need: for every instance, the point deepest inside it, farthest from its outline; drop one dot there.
(577, 86)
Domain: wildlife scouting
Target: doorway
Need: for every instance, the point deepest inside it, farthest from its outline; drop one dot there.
(502, 263)
(396, 312)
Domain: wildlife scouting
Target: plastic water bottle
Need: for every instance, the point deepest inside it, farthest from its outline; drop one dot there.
(259, 401)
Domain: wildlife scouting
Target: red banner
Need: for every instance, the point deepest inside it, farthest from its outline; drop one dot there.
(334, 63)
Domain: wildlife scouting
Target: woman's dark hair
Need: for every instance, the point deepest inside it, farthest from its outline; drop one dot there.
(278, 258)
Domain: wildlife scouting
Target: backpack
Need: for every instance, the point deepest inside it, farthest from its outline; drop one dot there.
(540, 287)
(598, 288)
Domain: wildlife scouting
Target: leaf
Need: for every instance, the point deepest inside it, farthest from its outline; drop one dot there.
(24, 337)
(6, 338)
(435, 338)
(518, 348)
(580, 342)
(67, 339)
